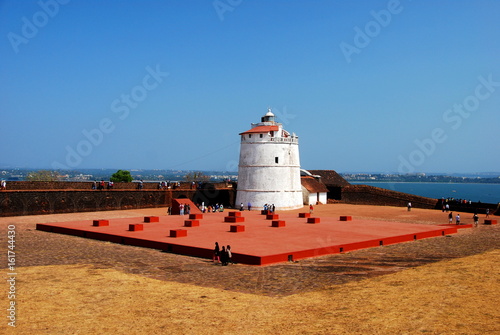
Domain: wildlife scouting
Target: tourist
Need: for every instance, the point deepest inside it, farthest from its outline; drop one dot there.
(221, 208)
(187, 209)
(273, 208)
(3, 185)
(409, 206)
(249, 206)
(447, 207)
(450, 218)
(223, 256)
(457, 219)
(311, 209)
(265, 207)
(181, 209)
(94, 185)
(487, 212)
(229, 255)
(216, 255)
(476, 219)
(241, 207)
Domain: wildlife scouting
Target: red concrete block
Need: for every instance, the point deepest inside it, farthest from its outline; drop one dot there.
(195, 216)
(136, 227)
(264, 212)
(313, 220)
(178, 233)
(272, 217)
(304, 215)
(234, 219)
(235, 214)
(100, 223)
(237, 228)
(487, 221)
(346, 218)
(151, 219)
(279, 223)
(191, 223)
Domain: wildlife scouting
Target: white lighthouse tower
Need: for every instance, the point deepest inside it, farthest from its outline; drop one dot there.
(269, 168)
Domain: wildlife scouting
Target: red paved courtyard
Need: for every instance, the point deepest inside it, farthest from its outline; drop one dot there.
(257, 242)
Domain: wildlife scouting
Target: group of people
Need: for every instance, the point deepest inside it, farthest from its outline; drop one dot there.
(475, 217)
(457, 201)
(163, 185)
(184, 209)
(211, 209)
(222, 255)
(270, 207)
(101, 185)
(267, 207)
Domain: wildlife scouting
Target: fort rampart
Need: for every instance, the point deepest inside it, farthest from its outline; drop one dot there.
(31, 198)
(370, 195)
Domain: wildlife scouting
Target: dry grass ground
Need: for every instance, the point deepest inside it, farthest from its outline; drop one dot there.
(69, 285)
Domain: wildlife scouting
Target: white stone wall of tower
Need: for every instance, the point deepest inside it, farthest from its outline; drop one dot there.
(269, 172)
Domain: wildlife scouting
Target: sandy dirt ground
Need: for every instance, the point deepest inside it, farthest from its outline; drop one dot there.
(70, 285)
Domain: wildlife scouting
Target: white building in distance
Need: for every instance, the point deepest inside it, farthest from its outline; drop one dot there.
(269, 167)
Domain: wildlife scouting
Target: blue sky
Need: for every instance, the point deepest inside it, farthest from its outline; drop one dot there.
(381, 86)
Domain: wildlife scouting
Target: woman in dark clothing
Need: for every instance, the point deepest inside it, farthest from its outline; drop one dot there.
(216, 255)
(223, 256)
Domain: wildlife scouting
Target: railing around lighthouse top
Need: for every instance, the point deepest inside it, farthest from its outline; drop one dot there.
(293, 139)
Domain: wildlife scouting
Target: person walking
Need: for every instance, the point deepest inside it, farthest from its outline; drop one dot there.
(457, 219)
(311, 209)
(476, 219)
(409, 206)
(487, 212)
(450, 218)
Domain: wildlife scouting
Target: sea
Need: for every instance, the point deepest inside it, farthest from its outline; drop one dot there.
(487, 193)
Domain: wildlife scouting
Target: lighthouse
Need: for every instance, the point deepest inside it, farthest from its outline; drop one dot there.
(269, 167)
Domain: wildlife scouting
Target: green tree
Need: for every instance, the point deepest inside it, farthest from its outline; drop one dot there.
(121, 176)
(196, 176)
(43, 175)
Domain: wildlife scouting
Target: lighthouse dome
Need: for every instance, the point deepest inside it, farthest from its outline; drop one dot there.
(269, 117)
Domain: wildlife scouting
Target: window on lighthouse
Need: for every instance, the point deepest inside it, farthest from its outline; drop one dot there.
(261, 135)
(276, 160)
